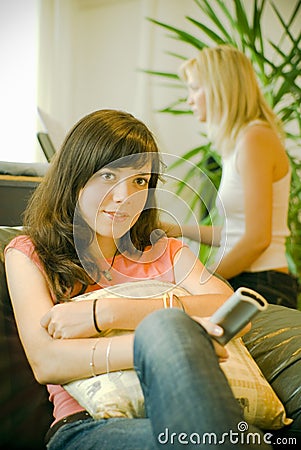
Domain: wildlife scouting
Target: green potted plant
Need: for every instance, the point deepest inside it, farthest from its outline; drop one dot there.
(278, 74)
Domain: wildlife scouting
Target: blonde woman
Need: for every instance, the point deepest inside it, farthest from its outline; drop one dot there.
(224, 95)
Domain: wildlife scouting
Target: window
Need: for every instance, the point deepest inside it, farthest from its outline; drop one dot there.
(18, 80)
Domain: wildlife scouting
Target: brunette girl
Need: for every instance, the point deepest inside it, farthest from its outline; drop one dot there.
(93, 223)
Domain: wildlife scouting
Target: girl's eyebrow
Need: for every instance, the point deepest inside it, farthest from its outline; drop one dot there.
(149, 172)
(136, 174)
(119, 169)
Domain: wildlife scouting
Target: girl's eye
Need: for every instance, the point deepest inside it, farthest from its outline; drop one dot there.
(108, 176)
(141, 182)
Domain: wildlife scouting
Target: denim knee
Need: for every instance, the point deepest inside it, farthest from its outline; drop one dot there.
(166, 332)
(160, 324)
(159, 321)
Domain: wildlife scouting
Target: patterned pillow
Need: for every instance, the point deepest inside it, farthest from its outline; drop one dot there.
(118, 394)
(260, 404)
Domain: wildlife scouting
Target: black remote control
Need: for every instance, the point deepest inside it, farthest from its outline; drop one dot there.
(237, 312)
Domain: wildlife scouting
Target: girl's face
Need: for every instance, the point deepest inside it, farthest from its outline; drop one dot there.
(113, 199)
(196, 97)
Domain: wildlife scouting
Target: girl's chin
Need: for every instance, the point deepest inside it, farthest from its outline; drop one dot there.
(111, 234)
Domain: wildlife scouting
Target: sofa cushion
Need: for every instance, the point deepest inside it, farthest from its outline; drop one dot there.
(275, 343)
(25, 411)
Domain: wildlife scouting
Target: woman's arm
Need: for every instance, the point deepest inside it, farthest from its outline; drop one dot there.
(209, 235)
(257, 165)
(208, 291)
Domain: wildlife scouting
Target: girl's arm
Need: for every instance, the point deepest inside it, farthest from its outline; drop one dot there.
(260, 154)
(74, 319)
(56, 361)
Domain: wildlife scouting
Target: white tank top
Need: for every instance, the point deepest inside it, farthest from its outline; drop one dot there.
(232, 197)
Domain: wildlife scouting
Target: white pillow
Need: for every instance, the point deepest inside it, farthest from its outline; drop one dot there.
(119, 394)
(114, 394)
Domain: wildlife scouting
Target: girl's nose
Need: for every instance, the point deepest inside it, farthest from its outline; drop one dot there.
(121, 191)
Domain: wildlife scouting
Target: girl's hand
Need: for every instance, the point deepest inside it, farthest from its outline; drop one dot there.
(214, 330)
(70, 320)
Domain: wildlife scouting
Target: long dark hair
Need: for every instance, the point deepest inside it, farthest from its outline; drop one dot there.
(98, 139)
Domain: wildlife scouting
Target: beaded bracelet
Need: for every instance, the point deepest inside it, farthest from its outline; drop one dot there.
(94, 316)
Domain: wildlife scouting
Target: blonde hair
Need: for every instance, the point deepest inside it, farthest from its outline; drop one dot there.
(233, 95)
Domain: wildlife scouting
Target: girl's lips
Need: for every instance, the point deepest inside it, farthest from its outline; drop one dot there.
(116, 216)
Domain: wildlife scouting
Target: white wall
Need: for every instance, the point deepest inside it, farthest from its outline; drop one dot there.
(99, 47)
(89, 53)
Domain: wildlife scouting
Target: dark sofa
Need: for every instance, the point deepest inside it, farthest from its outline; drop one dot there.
(25, 412)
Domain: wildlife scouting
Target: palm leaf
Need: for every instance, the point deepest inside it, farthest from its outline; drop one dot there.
(287, 27)
(210, 33)
(170, 75)
(180, 34)
(257, 14)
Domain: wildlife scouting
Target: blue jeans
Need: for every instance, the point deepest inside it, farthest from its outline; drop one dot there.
(186, 396)
(276, 287)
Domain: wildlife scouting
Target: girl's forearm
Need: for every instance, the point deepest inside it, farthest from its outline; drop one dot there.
(65, 360)
(126, 313)
(54, 361)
